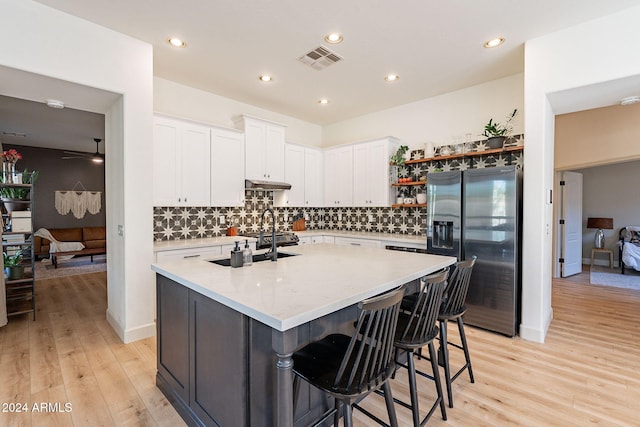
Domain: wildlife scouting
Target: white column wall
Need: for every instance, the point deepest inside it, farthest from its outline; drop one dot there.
(598, 51)
(47, 42)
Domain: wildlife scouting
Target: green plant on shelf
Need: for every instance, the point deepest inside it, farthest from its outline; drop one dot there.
(493, 129)
(17, 192)
(15, 259)
(399, 158)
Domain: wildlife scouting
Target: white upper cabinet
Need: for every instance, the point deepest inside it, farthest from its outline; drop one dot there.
(338, 176)
(227, 167)
(371, 186)
(294, 169)
(303, 170)
(264, 149)
(181, 163)
(313, 174)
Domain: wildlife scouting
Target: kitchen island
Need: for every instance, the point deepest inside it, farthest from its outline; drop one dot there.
(226, 335)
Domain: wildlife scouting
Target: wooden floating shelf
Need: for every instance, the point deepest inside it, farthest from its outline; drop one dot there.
(404, 205)
(404, 184)
(470, 154)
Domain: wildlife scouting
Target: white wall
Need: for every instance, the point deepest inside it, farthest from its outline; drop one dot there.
(439, 118)
(178, 100)
(599, 51)
(609, 191)
(47, 42)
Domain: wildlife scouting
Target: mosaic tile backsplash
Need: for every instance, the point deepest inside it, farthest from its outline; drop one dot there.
(175, 223)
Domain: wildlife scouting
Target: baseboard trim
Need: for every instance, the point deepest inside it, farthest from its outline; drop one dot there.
(534, 334)
(133, 334)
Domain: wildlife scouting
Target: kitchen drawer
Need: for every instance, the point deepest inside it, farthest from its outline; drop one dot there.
(192, 253)
(357, 242)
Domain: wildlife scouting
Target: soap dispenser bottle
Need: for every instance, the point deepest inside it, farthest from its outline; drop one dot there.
(236, 256)
(247, 254)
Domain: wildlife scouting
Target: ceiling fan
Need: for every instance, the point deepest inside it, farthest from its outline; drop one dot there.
(96, 157)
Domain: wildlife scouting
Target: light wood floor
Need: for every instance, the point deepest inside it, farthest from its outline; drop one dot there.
(587, 372)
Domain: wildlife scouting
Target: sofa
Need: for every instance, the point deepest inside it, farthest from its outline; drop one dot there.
(94, 240)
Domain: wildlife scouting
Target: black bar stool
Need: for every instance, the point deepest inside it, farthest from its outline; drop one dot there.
(452, 308)
(417, 327)
(349, 368)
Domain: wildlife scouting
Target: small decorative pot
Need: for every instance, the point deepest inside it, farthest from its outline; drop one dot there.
(421, 198)
(15, 272)
(496, 141)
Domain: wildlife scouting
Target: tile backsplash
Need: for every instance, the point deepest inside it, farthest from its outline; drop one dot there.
(175, 223)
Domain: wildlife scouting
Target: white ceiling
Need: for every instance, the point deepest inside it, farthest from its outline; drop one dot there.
(435, 47)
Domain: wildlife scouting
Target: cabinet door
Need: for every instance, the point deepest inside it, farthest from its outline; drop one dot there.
(294, 174)
(254, 134)
(378, 174)
(313, 178)
(195, 165)
(338, 173)
(344, 174)
(173, 335)
(218, 350)
(227, 168)
(165, 154)
(361, 172)
(274, 153)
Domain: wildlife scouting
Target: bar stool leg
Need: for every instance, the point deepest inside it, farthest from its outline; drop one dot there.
(391, 409)
(413, 390)
(463, 338)
(444, 360)
(436, 377)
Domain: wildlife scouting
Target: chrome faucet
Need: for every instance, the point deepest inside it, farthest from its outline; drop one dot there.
(273, 252)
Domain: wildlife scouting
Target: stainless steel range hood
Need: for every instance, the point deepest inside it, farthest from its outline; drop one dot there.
(254, 184)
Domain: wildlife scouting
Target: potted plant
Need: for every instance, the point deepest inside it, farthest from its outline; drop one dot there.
(13, 197)
(13, 268)
(399, 158)
(496, 132)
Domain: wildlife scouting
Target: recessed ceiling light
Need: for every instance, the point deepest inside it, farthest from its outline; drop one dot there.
(265, 78)
(176, 42)
(630, 100)
(54, 103)
(494, 42)
(391, 77)
(323, 101)
(333, 38)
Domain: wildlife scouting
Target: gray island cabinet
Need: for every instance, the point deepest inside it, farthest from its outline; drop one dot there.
(225, 335)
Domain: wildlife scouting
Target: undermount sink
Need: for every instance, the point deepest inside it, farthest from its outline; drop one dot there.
(226, 262)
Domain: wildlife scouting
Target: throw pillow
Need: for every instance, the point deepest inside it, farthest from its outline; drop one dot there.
(634, 236)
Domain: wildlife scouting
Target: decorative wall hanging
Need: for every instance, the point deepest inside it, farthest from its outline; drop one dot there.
(78, 202)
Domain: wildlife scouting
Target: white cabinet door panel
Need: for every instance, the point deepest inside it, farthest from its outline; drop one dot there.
(165, 155)
(227, 168)
(313, 174)
(195, 167)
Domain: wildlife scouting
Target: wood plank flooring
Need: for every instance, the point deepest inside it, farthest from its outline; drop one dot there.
(586, 373)
(71, 356)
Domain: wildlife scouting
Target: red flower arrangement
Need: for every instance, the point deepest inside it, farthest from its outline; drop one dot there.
(11, 156)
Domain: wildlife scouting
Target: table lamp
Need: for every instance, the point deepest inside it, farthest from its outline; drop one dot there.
(600, 224)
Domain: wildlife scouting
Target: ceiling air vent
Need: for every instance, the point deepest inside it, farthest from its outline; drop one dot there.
(320, 58)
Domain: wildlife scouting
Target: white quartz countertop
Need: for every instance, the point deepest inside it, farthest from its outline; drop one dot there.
(229, 240)
(324, 278)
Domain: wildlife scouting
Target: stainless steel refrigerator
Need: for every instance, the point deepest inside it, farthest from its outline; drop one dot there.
(490, 228)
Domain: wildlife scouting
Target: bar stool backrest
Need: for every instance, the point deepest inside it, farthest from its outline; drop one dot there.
(420, 326)
(368, 361)
(456, 291)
